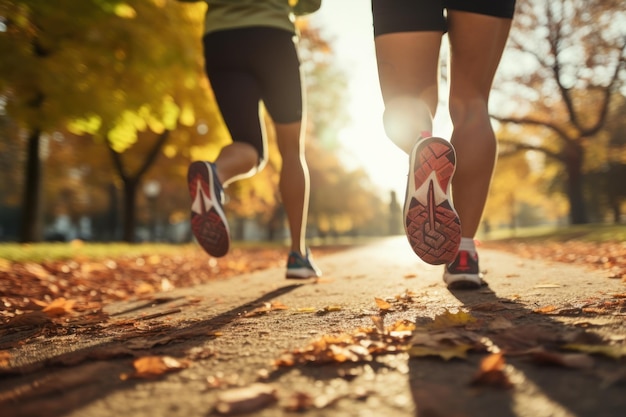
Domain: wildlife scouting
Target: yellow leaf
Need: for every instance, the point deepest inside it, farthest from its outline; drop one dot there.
(125, 11)
(448, 319)
(187, 116)
(87, 125)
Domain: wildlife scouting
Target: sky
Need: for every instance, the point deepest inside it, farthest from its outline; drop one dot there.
(347, 24)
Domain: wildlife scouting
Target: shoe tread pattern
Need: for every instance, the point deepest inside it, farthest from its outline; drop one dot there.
(433, 229)
(207, 226)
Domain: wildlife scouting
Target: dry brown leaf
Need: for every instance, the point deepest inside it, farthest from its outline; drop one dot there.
(154, 366)
(266, 308)
(545, 310)
(382, 304)
(379, 324)
(5, 358)
(246, 400)
(37, 270)
(491, 372)
(60, 307)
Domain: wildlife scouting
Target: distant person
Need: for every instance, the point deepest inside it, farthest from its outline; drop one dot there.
(251, 57)
(408, 36)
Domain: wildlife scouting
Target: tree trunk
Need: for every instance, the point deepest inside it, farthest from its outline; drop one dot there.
(30, 222)
(131, 182)
(129, 209)
(617, 213)
(573, 164)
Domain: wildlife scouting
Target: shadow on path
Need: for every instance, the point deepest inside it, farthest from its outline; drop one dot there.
(442, 388)
(55, 385)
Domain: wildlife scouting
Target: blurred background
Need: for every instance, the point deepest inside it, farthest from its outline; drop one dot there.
(104, 103)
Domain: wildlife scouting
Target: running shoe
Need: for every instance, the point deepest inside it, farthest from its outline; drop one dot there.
(463, 272)
(208, 222)
(300, 267)
(430, 221)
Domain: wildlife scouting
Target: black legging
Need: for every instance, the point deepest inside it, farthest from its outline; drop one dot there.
(249, 65)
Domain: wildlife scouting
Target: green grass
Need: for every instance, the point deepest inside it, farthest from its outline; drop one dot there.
(38, 252)
(587, 233)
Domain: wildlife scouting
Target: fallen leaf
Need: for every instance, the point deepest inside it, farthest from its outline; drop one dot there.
(382, 304)
(328, 309)
(246, 400)
(5, 358)
(545, 310)
(266, 308)
(491, 372)
(379, 324)
(154, 366)
(448, 319)
(37, 270)
(59, 307)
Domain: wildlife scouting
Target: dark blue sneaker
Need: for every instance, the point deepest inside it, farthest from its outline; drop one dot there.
(463, 272)
(208, 222)
(299, 267)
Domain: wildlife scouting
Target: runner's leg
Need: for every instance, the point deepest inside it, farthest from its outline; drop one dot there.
(476, 45)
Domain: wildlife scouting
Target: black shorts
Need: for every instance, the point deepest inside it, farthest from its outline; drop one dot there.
(391, 16)
(249, 65)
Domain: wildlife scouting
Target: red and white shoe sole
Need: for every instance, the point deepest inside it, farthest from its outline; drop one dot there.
(208, 222)
(432, 225)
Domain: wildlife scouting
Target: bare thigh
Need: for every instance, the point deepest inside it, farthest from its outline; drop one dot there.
(476, 45)
(408, 65)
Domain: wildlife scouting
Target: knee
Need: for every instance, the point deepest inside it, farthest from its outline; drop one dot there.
(405, 119)
(468, 111)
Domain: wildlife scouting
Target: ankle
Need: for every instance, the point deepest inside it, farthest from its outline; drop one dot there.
(468, 244)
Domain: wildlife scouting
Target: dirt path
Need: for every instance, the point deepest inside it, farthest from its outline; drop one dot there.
(379, 335)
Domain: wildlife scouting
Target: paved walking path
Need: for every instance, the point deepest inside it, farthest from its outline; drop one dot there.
(223, 339)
